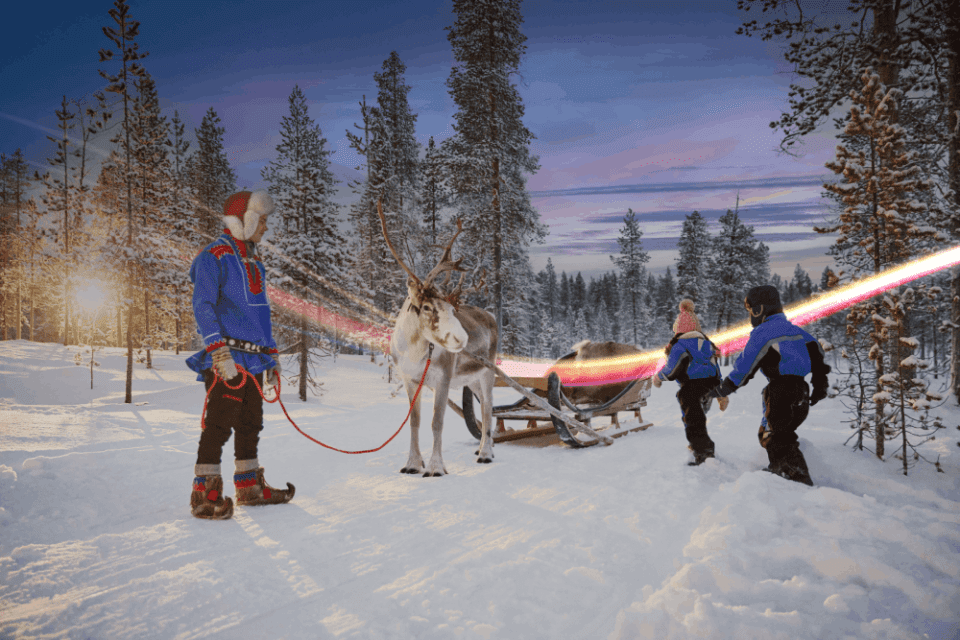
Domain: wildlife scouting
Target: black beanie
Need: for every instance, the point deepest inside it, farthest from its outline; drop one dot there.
(764, 301)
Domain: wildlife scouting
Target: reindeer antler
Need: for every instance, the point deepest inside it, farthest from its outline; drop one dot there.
(396, 256)
(454, 296)
(446, 263)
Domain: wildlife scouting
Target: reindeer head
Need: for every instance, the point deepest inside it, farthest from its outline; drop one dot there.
(435, 312)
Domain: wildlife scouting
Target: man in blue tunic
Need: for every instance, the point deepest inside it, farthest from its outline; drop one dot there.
(785, 354)
(233, 316)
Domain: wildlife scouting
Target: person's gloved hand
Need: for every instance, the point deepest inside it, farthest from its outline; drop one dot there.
(273, 373)
(656, 380)
(819, 391)
(223, 363)
(723, 389)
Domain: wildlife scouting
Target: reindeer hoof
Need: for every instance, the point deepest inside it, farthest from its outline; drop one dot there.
(409, 470)
(484, 460)
(435, 474)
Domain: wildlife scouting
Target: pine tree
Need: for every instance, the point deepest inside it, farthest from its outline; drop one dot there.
(666, 306)
(183, 227)
(631, 262)
(57, 200)
(16, 238)
(802, 283)
(123, 36)
(880, 224)
(151, 175)
(489, 154)
(693, 261)
(434, 193)
(210, 176)
(738, 263)
(400, 150)
(907, 394)
(302, 187)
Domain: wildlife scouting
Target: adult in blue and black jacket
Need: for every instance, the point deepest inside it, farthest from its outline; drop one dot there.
(692, 363)
(785, 354)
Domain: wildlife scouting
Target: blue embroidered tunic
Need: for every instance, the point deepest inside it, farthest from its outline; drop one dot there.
(230, 300)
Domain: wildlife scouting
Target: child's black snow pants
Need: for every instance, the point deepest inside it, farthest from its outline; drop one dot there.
(786, 403)
(239, 410)
(690, 397)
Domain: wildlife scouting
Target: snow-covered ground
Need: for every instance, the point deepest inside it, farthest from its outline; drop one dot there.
(619, 542)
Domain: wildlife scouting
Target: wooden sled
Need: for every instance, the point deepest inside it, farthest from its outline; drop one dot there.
(566, 418)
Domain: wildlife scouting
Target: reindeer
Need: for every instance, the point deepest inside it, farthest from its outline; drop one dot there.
(430, 320)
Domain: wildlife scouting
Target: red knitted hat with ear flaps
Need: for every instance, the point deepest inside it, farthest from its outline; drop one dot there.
(242, 212)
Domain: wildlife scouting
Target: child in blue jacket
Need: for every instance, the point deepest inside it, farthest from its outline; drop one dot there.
(692, 362)
(785, 353)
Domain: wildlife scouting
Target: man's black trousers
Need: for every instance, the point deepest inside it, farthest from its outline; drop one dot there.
(239, 410)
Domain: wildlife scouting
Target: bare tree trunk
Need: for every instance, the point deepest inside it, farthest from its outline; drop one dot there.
(33, 309)
(304, 354)
(955, 334)
(146, 324)
(19, 310)
(880, 349)
(498, 246)
(128, 390)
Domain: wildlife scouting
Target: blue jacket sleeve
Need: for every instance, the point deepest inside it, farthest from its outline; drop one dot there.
(748, 360)
(206, 275)
(674, 362)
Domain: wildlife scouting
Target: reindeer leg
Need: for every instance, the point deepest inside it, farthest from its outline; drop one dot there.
(485, 452)
(435, 467)
(415, 460)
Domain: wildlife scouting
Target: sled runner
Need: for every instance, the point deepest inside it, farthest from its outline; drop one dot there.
(565, 417)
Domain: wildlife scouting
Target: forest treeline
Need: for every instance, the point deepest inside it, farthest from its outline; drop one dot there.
(129, 196)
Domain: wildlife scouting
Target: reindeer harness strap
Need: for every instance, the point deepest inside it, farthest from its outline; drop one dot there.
(246, 374)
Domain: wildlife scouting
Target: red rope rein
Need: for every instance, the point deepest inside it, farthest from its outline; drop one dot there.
(246, 374)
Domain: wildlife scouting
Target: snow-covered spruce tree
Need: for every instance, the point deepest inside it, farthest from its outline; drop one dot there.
(210, 176)
(390, 153)
(832, 328)
(856, 388)
(693, 260)
(489, 154)
(401, 151)
(738, 262)
(631, 262)
(915, 47)
(434, 195)
(123, 36)
(306, 231)
(57, 201)
(397, 160)
(665, 308)
(903, 391)
(368, 256)
(18, 211)
(881, 223)
(151, 175)
(183, 229)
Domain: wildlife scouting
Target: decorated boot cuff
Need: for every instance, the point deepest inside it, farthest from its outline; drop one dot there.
(206, 470)
(246, 465)
(245, 480)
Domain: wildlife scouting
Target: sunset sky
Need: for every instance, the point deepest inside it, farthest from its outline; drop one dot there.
(659, 107)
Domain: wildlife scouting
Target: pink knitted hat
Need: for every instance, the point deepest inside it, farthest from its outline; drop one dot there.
(687, 320)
